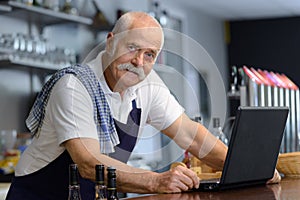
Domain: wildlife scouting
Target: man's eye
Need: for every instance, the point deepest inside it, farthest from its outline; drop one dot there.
(150, 55)
(131, 48)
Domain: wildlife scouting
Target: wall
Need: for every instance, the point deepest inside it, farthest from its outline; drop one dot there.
(271, 44)
(208, 34)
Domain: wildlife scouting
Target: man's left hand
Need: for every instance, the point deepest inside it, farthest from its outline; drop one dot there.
(276, 178)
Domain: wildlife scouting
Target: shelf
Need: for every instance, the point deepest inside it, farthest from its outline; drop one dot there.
(6, 60)
(44, 16)
(5, 8)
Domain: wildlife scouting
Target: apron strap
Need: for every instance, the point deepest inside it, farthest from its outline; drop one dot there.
(127, 134)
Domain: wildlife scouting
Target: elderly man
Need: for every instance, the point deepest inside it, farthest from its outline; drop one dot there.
(92, 114)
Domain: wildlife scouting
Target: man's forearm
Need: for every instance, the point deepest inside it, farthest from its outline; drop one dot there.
(130, 179)
(216, 157)
(137, 182)
(208, 148)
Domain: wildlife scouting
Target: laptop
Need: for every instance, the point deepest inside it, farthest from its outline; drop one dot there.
(253, 148)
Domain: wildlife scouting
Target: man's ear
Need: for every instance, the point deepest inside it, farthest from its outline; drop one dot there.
(109, 41)
(109, 35)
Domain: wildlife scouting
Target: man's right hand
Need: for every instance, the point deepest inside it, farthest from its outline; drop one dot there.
(177, 179)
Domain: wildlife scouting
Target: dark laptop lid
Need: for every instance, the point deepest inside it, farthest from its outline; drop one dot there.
(254, 145)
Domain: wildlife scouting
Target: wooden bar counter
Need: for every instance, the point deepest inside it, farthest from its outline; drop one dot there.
(288, 188)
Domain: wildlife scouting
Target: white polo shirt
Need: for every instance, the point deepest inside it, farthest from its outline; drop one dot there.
(69, 114)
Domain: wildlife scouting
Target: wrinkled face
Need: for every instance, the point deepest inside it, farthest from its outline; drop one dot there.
(132, 55)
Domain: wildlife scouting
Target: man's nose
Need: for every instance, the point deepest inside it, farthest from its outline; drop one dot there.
(138, 60)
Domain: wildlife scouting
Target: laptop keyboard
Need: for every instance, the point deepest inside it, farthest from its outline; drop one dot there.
(212, 180)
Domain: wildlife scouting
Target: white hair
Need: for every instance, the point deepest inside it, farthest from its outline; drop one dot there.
(123, 23)
(127, 22)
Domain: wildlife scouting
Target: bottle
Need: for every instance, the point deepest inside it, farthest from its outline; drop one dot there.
(233, 80)
(100, 187)
(37, 2)
(74, 188)
(111, 184)
(218, 131)
(99, 19)
(68, 8)
(187, 159)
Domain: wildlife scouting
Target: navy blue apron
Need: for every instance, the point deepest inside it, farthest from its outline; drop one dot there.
(51, 182)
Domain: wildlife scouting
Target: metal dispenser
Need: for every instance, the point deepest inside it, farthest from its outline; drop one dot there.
(263, 88)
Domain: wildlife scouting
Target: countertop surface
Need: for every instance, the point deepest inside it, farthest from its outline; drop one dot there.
(288, 188)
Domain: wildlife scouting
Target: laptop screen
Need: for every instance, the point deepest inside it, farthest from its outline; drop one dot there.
(254, 144)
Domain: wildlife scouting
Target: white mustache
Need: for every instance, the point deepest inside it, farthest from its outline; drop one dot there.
(137, 70)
